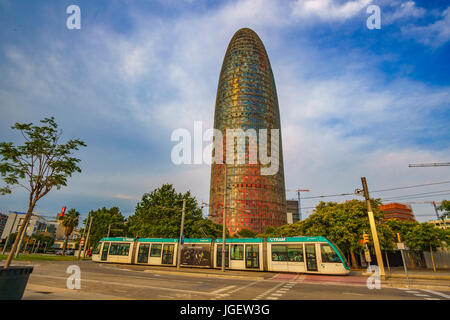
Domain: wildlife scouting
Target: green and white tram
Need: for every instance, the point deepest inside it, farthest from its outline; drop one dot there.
(305, 255)
(316, 255)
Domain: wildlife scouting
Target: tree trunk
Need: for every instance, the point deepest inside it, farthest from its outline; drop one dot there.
(354, 263)
(65, 245)
(19, 234)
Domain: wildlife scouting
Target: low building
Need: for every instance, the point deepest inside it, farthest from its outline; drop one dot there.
(292, 211)
(397, 211)
(441, 224)
(3, 219)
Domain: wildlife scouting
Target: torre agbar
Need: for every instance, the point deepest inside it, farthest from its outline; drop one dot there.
(247, 99)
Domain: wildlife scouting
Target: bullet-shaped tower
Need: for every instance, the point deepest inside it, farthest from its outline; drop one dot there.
(247, 99)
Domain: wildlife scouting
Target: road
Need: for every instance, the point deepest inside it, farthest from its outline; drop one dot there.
(106, 281)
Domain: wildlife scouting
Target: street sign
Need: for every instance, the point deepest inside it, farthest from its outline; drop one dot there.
(367, 255)
(401, 246)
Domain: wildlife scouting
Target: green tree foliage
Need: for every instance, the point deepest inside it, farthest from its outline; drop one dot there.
(70, 222)
(39, 165)
(102, 218)
(445, 207)
(158, 214)
(424, 235)
(245, 233)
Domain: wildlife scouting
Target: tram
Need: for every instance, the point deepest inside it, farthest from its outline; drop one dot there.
(315, 255)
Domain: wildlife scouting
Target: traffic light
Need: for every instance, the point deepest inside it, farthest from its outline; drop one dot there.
(365, 238)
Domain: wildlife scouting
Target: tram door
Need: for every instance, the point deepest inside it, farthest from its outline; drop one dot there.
(219, 256)
(143, 253)
(252, 256)
(311, 257)
(167, 255)
(105, 251)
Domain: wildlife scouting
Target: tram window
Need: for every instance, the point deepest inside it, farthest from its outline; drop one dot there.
(237, 252)
(295, 253)
(328, 254)
(97, 248)
(119, 249)
(279, 253)
(156, 250)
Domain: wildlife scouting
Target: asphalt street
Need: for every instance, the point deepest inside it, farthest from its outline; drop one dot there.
(106, 281)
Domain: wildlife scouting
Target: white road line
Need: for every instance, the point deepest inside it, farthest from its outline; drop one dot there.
(437, 293)
(271, 290)
(277, 294)
(128, 285)
(422, 295)
(413, 292)
(223, 289)
(432, 299)
(272, 298)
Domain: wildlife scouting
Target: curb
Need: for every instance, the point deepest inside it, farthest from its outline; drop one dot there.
(194, 274)
(413, 276)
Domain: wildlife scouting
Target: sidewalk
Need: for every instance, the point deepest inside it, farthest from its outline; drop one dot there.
(399, 272)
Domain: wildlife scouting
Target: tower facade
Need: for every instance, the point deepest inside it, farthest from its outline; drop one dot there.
(247, 100)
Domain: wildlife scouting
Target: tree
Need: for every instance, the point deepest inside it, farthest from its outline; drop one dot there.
(101, 220)
(70, 222)
(424, 236)
(445, 206)
(245, 233)
(39, 165)
(158, 214)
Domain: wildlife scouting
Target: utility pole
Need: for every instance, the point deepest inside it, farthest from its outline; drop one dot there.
(82, 238)
(87, 238)
(373, 229)
(224, 217)
(109, 229)
(181, 241)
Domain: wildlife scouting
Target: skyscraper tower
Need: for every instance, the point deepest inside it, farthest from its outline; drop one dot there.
(247, 99)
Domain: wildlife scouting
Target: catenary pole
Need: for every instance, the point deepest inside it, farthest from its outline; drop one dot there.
(224, 218)
(373, 229)
(84, 233)
(180, 242)
(87, 238)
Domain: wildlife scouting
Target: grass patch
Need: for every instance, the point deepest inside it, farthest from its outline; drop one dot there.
(41, 257)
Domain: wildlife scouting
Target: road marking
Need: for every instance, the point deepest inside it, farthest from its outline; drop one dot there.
(129, 285)
(277, 294)
(414, 292)
(272, 298)
(432, 299)
(421, 295)
(222, 289)
(270, 291)
(438, 293)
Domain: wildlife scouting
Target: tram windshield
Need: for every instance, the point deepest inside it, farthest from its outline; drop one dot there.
(340, 253)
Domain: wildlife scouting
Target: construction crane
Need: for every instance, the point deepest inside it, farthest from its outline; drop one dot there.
(298, 196)
(430, 202)
(435, 164)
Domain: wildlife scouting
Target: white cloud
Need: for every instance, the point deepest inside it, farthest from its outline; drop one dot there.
(435, 34)
(404, 10)
(328, 10)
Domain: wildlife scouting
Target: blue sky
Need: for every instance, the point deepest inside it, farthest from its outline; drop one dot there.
(354, 102)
